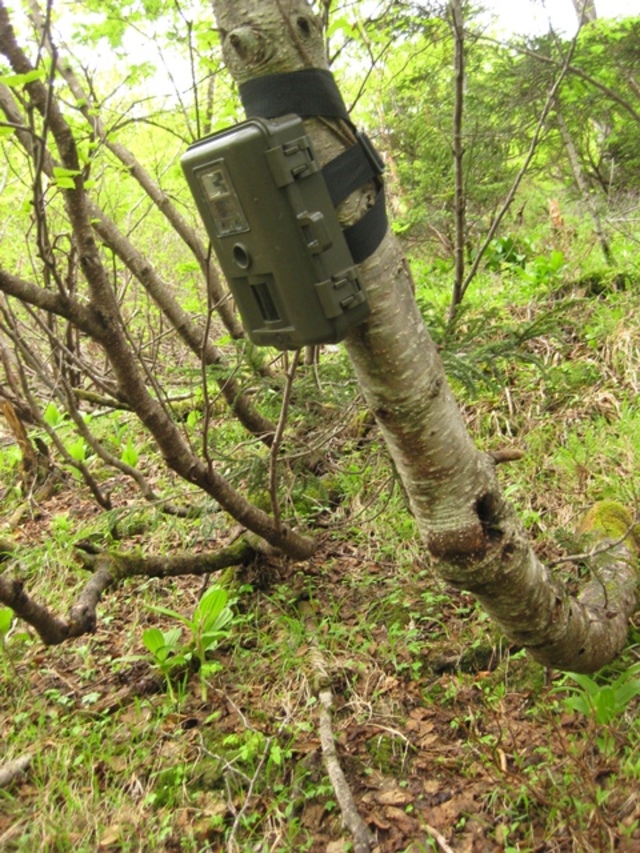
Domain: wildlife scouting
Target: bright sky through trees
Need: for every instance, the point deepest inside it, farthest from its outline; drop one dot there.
(533, 16)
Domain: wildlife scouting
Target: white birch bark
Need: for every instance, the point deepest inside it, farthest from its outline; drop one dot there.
(473, 535)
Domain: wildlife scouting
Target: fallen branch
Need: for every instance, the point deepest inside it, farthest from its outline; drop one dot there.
(439, 838)
(128, 565)
(362, 837)
(107, 570)
(12, 769)
(51, 629)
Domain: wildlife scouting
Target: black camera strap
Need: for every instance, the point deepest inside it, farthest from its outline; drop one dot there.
(313, 92)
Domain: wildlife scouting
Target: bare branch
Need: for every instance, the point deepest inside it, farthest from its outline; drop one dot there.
(108, 569)
(277, 439)
(11, 770)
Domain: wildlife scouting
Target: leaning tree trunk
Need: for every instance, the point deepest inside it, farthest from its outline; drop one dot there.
(470, 530)
(457, 29)
(586, 11)
(583, 187)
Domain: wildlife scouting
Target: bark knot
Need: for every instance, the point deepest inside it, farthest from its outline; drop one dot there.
(250, 46)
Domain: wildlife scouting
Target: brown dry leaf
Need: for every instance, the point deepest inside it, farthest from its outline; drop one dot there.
(339, 846)
(388, 683)
(447, 814)
(110, 837)
(404, 822)
(312, 815)
(393, 796)
(419, 713)
(376, 820)
(422, 727)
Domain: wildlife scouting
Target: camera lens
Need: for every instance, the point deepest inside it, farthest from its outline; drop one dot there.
(241, 256)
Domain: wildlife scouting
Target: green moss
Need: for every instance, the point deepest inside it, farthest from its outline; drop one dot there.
(385, 753)
(262, 500)
(610, 519)
(597, 282)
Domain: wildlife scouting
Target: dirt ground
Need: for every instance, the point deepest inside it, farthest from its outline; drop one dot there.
(448, 739)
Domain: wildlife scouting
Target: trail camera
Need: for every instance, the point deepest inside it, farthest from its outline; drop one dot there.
(273, 226)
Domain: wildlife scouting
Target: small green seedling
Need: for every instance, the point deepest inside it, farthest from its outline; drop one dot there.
(130, 455)
(166, 651)
(6, 618)
(52, 415)
(207, 626)
(602, 702)
(77, 449)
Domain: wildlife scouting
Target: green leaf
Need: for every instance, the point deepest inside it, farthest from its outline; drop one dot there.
(210, 608)
(61, 172)
(65, 178)
(78, 450)
(165, 611)
(210, 668)
(590, 687)
(626, 691)
(130, 455)
(15, 80)
(153, 640)
(52, 415)
(211, 640)
(6, 617)
(192, 418)
(605, 705)
(275, 754)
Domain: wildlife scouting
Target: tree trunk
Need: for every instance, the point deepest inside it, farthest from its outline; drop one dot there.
(587, 14)
(471, 532)
(583, 187)
(586, 11)
(457, 28)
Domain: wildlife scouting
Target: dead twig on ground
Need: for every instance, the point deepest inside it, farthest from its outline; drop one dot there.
(12, 769)
(439, 838)
(363, 839)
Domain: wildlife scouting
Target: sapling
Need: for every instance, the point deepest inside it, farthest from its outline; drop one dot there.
(207, 626)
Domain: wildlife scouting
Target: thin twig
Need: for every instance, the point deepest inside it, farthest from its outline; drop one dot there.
(439, 838)
(12, 769)
(277, 439)
(231, 843)
(362, 837)
(549, 104)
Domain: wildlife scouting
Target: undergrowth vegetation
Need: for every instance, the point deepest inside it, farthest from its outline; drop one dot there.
(188, 721)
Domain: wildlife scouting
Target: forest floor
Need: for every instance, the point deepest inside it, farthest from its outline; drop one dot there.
(449, 739)
(443, 732)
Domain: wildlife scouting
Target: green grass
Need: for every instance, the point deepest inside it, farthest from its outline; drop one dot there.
(438, 722)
